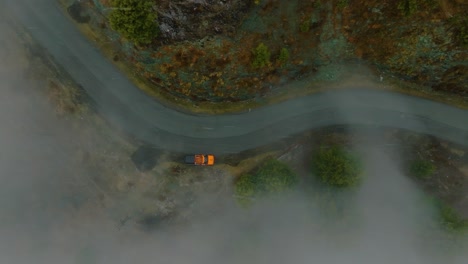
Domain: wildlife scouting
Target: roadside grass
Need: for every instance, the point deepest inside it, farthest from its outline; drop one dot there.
(308, 88)
(250, 163)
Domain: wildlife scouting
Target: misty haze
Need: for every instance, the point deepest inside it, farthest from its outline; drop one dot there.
(92, 169)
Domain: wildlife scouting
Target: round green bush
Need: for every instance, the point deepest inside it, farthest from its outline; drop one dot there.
(271, 177)
(422, 169)
(135, 20)
(336, 167)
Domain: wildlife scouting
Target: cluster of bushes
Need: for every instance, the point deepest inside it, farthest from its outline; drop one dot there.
(333, 166)
(135, 20)
(261, 56)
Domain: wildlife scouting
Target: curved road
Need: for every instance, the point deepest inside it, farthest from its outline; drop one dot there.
(128, 108)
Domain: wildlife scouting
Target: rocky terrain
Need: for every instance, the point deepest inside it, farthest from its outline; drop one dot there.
(205, 51)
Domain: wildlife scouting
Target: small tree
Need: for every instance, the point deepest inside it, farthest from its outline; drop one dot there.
(283, 56)
(261, 56)
(336, 167)
(135, 20)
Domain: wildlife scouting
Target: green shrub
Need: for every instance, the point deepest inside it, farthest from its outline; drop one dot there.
(135, 20)
(336, 167)
(245, 189)
(342, 4)
(407, 7)
(304, 26)
(271, 177)
(459, 24)
(261, 56)
(463, 35)
(422, 169)
(450, 219)
(283, 56)
(317, 4)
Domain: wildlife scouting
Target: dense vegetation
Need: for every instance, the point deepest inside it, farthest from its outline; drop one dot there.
(209, 51)
(272, 177)
(135, 20)
(336, 167)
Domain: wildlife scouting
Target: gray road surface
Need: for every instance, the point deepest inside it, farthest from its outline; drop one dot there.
(126, 107)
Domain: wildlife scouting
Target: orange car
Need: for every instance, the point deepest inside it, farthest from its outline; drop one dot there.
(200, 159)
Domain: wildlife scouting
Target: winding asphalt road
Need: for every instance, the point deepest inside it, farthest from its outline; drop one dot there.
(128, 108)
